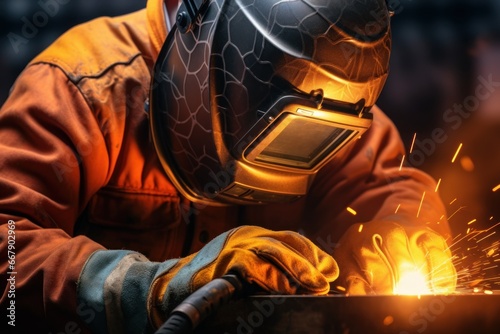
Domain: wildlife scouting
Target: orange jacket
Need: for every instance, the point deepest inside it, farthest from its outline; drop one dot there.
(78, 173)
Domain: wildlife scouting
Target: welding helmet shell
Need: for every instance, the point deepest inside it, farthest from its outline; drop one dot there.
(250, 98)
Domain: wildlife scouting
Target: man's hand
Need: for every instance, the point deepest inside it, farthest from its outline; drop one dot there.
(372, 260)
(132, 291)
(280, 262)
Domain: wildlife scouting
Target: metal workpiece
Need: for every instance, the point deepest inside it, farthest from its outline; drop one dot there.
(454, 313)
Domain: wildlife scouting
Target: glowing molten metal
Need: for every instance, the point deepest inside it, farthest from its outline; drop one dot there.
(412, 282)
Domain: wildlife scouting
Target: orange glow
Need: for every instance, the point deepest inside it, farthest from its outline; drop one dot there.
(467, 164)
(388, 320)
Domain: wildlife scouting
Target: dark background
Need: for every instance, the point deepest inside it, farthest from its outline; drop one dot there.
(440, 50)
(14, 13)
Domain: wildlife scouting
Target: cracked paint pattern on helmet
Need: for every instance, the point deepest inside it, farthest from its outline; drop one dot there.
(243, 54)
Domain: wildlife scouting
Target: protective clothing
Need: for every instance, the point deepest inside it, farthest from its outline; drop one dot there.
(279, 262)
(273, 89)
(79, 174)
(375, 256)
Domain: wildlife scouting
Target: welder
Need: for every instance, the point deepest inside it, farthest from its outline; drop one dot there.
(145, 155)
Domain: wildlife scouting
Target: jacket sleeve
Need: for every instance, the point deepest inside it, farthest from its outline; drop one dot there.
(376, 183)
(53, 157)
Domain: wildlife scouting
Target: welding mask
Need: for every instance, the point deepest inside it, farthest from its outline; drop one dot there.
(251, 98)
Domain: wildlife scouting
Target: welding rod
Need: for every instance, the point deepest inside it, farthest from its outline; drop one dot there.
(201, 303)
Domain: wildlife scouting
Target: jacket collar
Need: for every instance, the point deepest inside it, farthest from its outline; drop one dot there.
(157, 27)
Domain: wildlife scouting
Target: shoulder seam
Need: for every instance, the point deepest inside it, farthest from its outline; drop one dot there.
(76, 78)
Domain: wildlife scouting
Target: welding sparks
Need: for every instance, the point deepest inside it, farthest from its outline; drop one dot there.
(456, 211)
(472, 221)
(489, 235)
(477, 266)
(437, 186)
(341, 288)
(456, 153)
(420, 206)
(351, 211)
(397, 209)
(413, 142)
(402, 161)
(496, 188)
(360, 228)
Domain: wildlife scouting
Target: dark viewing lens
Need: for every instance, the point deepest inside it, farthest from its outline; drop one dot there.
(303, 143)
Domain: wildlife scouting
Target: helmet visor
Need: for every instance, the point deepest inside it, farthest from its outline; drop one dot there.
(302, 136)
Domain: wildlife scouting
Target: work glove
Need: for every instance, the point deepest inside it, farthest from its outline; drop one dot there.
(380, 257)
(130, 289)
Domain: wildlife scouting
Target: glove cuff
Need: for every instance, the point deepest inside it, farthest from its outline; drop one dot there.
(171, 287)
(113, 288)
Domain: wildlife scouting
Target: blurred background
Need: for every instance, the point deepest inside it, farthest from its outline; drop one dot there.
(19, 44)
(443, 93)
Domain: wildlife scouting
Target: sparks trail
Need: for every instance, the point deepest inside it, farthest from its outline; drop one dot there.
(476, 259)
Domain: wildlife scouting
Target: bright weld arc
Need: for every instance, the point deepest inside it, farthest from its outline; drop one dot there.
(412, 282)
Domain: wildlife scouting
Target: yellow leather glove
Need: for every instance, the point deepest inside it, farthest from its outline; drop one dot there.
(127, 292)
(280, 262)
(374, 259)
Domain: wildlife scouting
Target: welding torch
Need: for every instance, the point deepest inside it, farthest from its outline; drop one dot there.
(201, 303)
